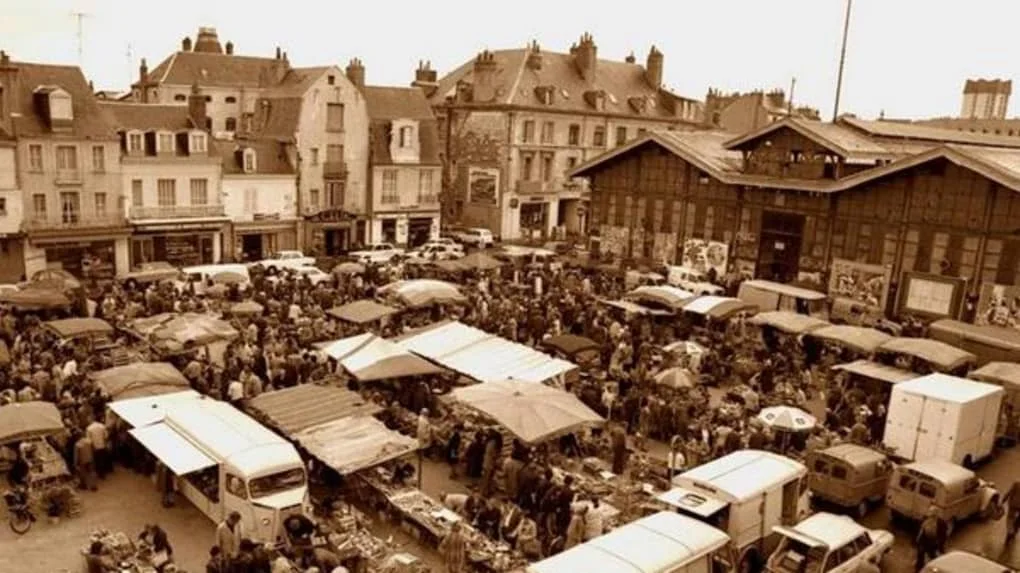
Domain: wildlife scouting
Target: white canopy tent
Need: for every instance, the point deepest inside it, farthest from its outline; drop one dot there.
(483, 356)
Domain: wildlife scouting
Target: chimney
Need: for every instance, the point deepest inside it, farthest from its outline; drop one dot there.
(630, 59)
(586, 57)
(534, 56)
(279, 53)
(196, 107)
(143, 72)
(653, 68)
(485, 77)
(425, 78)
(8, 77)
(230, 48)
(207, 41)
(355, 72)
(186, 44)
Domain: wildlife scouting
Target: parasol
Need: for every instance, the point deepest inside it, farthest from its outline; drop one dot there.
(479, 261)
(676, 377)
(349, 268)
(533, 412)
(28, 420)
(228, 278)
(423, 292)
(247, 308)
(362, 311)
(787, 418)
(788, 322)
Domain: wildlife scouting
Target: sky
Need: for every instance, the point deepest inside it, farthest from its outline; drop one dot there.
(906, 58)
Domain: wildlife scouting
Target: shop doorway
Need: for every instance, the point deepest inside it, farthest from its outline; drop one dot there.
(534, 219)
(388, 231)
(336, 241)
(779, 246)
(418, 231)
(251, 247)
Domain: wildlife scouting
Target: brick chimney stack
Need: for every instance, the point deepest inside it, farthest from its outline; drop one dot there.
(534, 56)
(425, 78)
(196, 107)
(586, 57)
(229, 48)
(207, 41)
(186, 44)
(485, 69)
(653, 68)
(356, 72)
(630, 59)
(8, 78)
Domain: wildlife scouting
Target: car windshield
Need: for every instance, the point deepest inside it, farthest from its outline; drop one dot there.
(792, 556)
(276, 483)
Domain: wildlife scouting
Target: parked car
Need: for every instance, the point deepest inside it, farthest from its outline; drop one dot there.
(202, 277)
(313, 274)
(954, 491)
(436, 252)
(964, 562)
(849, 476)
(377, 253)
(146, 273)
(476, 237)
(830, 543)
(285, 260)
(448, 241)
(691, 280)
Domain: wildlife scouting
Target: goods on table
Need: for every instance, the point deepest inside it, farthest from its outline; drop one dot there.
(122, 551)
(45, 464)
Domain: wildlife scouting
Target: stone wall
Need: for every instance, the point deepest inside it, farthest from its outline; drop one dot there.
(476, 139)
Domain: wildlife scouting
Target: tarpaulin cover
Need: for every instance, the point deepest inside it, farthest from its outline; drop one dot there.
(669, 296)
(34, 298)
(181, 329)
(74, 327)
(298, 408)
(570, 344)
(532, 412)
(369, 357)
(876, 371)
(789, 322)
(718, 307)
(859, 338)
(423, 292)
(140, 379)
(351, 444)
(1004, 373)
(483, 356)
(938, 353)
(362, 311)
(28, 420)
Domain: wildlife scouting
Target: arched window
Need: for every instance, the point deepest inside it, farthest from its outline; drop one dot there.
(180, 97)
(231, 99)
(231, 124)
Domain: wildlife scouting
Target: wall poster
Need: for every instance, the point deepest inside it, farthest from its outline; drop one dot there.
(860, 284)
(483, 185)
(702, 255)
(999, 305)
(930, 295)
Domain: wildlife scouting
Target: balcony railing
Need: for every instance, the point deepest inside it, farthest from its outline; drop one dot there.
(71, 221)
(68, 176)
(334, 169)
(177, 212)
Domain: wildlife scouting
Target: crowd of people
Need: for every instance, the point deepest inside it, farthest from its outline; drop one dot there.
(516, 498)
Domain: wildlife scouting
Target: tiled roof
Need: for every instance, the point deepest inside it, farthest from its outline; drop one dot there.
(515, 84)
(428, 138)
(211, 69)
(708, 145)
(845, 141)
(148, 117)
(270, 156)
(898, 130)
(277, 117)
(297, 81)
(385, 102)
(90, 121)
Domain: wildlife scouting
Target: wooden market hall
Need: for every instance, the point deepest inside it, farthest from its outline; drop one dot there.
(792, 197)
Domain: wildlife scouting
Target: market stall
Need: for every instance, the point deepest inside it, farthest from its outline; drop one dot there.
(298, 408)
(686, 353)
(990, 343)
(482, 356)
(788, 322)
(24, 429)
(666, 297)
(171, 333)
(937, 355)
(140, 379)
(631, 308)
(857, 338)
(79, 328)
(362, 311)
(354, 443)
(422, 292)
(35, 299)
(369, 357)
(1007, 375)
(573, 347)
(718, 307)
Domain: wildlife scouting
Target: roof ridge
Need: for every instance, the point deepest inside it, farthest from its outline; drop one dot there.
(169, 66)
(517, 80)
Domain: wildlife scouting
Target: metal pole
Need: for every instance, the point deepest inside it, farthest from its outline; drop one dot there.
(842, 60)
(789, 105)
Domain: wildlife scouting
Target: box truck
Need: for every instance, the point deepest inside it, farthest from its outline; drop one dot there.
(943, 417)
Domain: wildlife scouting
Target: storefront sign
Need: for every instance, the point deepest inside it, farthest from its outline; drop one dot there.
(930, 296)
(999, 305)
(483, 185)
(860, 284)
(702, 255)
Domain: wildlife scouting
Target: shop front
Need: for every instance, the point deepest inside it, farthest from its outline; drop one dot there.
(333, 232)
(256, 240)
(405, 229)
(181, 244)
(12, 259)
(97, 258)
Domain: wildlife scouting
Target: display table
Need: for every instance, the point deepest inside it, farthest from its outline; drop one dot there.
(46, 466)
(122, 551)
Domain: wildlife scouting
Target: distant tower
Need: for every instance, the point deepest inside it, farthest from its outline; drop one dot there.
(986, 99)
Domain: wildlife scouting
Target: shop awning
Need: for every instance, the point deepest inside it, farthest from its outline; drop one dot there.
(627, 306)
(140, 379)
(352, 444)
(362, 311)
(938, 353)
(173, 449)
(75, 327)
(298, 408)
(877, 371)
(29, 420)
(665, 295)
(148, 410)
(789, 322)
(718, 307)
(482, 356)
(369, 357)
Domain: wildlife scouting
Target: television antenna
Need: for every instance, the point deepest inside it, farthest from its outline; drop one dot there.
(79, 18)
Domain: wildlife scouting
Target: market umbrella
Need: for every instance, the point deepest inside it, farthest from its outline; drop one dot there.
(228, 278)
(247, 308)
(531, 411)
(423, 292)
(676, 377)
(31, 299)
(28, 420)
(349, 268)
(787, 418)
(570, 344)
(788, 322)
(362, 311)
(479, 261)
(858, 338)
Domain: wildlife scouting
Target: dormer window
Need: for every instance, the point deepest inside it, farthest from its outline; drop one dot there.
(406, 136)
(250, 163)
(135, 142)
(165, 142)
(197, 143)
(60, 105)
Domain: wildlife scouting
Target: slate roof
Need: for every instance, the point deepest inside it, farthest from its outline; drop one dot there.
(277, 117)
(428, 140)
(271, 156)
(147, 116)
(90, 121)
(516, 82)
(297, 80)
(385, 102)
(844, 141)
(211, 69)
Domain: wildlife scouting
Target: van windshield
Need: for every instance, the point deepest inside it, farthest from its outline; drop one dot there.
(276, 483)
(792, 556)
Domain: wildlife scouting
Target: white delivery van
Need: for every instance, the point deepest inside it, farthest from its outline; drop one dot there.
(202, 275)
(663, 542)
(943, 417)
(768, 295)
(745, 494)
(223, 460)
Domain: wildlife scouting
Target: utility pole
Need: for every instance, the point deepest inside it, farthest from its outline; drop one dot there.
(130, 55)
(79, 19)
(842, 59)
(789, 105)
